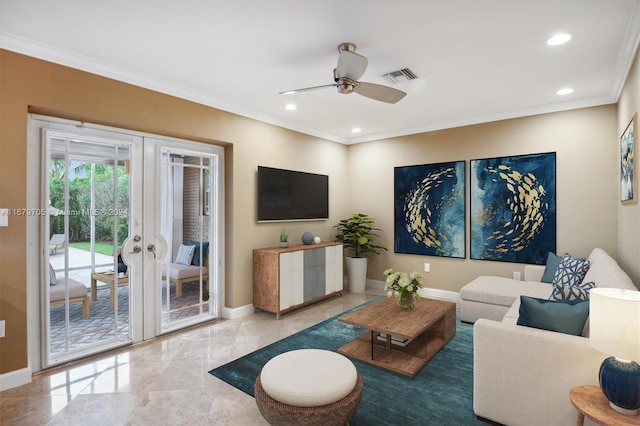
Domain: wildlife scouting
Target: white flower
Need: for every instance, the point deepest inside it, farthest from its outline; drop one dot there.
(389, 293)
(388, 272)
(404, 281)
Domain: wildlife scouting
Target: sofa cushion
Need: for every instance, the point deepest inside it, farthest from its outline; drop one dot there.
(570, 271)
(605, 272)
(501, 290)
(76, 289)
(563, 317)
(568, 293)
(180, 272)
(553, 261)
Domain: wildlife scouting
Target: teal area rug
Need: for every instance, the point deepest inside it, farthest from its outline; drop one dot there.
(441, 394)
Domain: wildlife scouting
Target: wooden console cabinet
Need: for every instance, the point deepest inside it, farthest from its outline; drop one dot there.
(285, 279)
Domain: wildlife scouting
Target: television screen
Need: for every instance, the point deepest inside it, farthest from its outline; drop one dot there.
(291, 195)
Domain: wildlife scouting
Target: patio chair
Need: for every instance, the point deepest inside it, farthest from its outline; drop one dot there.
(56, 243)
(180, 273)
(77, 292)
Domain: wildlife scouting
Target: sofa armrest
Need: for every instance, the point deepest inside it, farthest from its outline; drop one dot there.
(523, 375)
(533, 272)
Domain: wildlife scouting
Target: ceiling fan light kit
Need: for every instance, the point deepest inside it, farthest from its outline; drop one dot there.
(350, 68)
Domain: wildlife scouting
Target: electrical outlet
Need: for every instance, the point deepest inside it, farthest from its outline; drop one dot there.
(427, 267)
(1, 328)
(516, 275)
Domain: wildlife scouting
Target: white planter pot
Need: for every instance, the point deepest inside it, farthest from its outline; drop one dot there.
(356, 274)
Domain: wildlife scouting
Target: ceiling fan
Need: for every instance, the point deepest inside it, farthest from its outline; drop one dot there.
(350, 68)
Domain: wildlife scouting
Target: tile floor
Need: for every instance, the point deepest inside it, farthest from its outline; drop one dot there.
(164, 381)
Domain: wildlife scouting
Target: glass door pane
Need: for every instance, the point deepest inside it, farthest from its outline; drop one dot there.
(187, 227)
(88, 219)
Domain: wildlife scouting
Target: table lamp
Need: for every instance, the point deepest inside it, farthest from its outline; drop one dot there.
(614, 323)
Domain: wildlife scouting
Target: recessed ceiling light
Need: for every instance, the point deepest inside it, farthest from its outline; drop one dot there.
(356, 130)
(558, 39)
(291, 107)
(564, 91)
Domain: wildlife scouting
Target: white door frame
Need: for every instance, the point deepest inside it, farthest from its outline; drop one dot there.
(36, 273)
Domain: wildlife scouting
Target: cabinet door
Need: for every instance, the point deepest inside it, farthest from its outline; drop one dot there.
(314, 273)
(334, 269)
(291, 277)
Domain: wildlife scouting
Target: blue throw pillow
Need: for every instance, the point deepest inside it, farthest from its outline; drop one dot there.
(553, 261)
(196, 255)
(570, 271)
(563, 317)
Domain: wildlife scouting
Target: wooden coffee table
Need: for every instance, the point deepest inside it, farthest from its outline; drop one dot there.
(400, 341)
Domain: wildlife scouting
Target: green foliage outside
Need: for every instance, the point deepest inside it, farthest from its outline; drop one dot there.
(102, 248)
(107, 216)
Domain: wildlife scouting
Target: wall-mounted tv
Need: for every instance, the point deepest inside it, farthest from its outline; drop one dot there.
(291, 195)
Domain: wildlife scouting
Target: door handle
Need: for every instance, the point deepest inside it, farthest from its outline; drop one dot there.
(136, 249)
(152, 249)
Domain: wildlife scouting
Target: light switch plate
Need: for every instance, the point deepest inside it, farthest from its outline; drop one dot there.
(4, 217)
(1, 328)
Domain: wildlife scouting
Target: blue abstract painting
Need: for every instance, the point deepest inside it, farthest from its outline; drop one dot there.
(513, 208)
(429, 209)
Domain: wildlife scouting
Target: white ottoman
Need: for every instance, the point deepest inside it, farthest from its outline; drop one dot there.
(308, 387)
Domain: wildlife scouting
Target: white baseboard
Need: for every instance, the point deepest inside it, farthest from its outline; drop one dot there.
(233, 313)
(454, 296)
(15, 378)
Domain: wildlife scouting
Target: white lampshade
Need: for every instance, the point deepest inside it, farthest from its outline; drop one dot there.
(614, 322)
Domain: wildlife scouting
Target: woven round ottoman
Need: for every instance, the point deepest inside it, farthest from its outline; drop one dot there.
(308, 387)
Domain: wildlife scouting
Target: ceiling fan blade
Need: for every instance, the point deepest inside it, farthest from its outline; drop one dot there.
(351, 65)
(379, 92)
(306, 89)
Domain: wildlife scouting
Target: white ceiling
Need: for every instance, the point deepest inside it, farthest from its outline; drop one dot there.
(477, 60)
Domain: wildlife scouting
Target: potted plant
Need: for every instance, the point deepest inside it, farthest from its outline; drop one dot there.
(357, 236)
(284, 238)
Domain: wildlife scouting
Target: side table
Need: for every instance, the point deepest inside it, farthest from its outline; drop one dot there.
(592, 404)
(109, 278)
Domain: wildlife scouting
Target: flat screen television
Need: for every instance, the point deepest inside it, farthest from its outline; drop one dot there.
(290, 195)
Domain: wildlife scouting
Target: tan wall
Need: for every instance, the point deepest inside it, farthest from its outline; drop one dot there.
(27, 84)
(585, 145)
(629, 214)
(360, 176)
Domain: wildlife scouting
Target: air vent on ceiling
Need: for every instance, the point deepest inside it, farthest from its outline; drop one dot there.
(399, 76)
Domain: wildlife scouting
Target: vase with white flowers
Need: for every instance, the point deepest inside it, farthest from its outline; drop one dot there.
(404, 287)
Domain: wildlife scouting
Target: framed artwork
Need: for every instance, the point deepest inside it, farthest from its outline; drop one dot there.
(513, 208)
(628, 175)
(429, 207)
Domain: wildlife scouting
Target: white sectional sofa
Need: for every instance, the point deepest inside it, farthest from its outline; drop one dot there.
(523, 375)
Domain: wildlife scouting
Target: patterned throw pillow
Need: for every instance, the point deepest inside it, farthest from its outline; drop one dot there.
(570, 293)
(185, 254)
(571, 271)
(52, 275)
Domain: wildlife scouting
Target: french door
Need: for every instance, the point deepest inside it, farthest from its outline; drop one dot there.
(117, 208)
